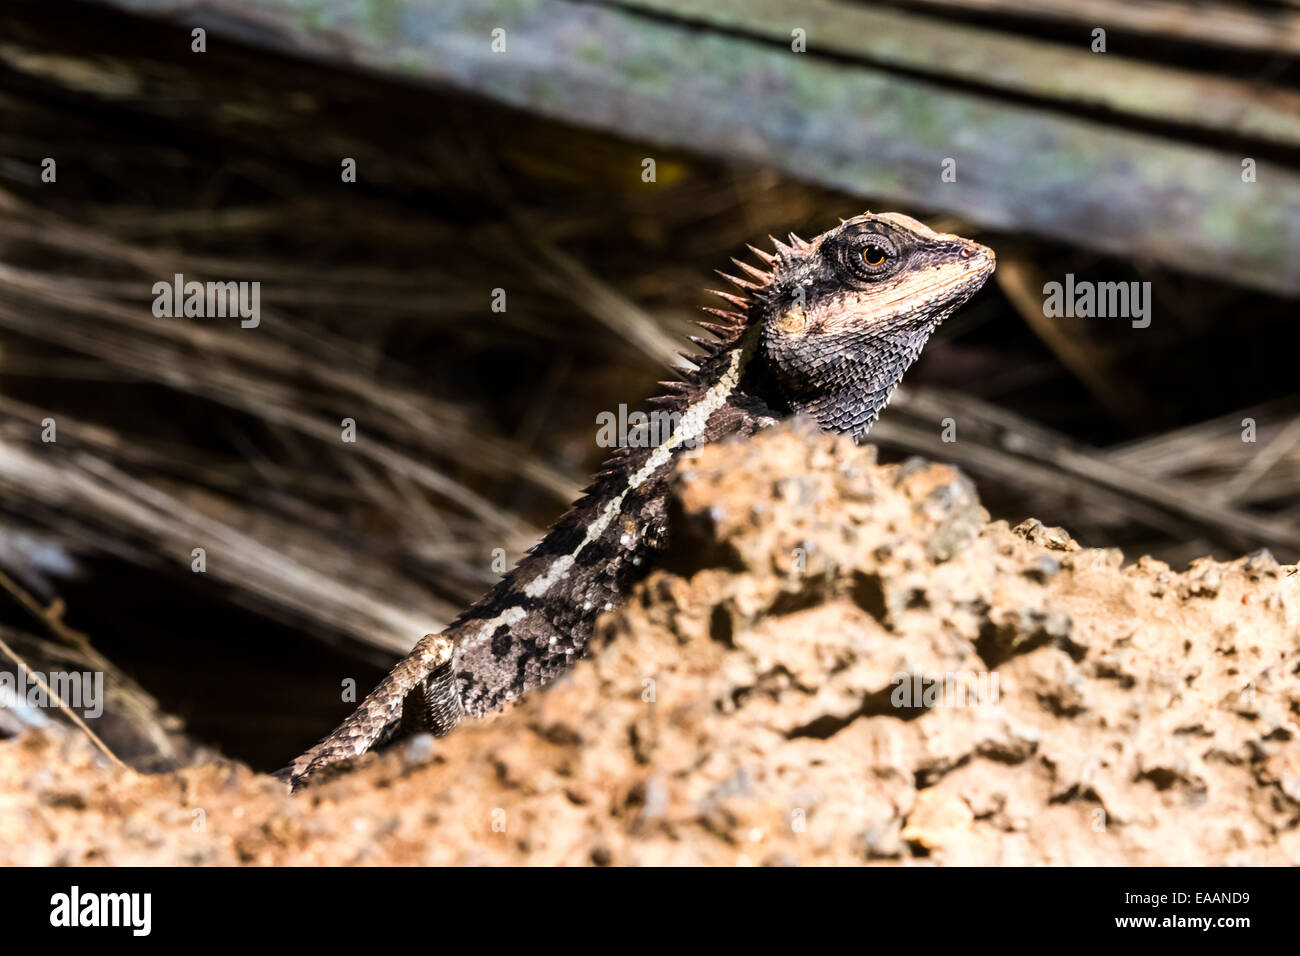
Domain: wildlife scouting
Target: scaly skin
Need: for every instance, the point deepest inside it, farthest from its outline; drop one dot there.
(827, 329)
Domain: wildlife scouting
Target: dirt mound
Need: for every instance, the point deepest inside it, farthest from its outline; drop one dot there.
(839, 663)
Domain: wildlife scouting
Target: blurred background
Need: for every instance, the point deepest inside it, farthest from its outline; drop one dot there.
(501, 144)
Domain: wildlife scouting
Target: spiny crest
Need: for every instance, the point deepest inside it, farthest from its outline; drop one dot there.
(727, 318)
(755, 273)
(740, 283)
(731, 322)
(721, 330)
(737, 300)
(757, 278)
(796, 246)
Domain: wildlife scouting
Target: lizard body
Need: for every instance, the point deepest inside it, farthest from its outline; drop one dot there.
(826, 329)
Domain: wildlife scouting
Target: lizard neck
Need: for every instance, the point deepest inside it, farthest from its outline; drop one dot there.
(847, 382)
(536, 622)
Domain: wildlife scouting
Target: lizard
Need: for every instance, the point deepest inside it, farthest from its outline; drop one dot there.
(823, 329)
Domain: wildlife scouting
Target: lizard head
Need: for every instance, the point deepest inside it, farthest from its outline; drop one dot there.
(839, 319)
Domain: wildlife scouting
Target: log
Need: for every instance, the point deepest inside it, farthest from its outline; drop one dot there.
(850, 126)
(1066, 76)
(1260, 30)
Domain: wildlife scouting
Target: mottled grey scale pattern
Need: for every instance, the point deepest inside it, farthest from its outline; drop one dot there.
(828, 331)
(435, 706)
(555, 632)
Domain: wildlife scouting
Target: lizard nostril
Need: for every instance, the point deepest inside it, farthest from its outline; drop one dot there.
(967, 252)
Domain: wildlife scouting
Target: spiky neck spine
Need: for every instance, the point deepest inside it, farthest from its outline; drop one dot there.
(536, 622)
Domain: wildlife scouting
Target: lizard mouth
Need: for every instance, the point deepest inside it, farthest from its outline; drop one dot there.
(979, 263)
(962, 278)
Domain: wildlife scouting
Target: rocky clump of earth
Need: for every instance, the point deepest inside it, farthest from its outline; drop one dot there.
(837, 662)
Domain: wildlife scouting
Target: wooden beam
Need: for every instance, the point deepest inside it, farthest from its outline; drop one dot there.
(864, 130)
(1072, 76)
(1210, 23)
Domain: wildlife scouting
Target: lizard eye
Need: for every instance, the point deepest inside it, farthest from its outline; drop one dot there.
(870, 257)
(874, 256)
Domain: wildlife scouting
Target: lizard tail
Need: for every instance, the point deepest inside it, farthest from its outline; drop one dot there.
(424, 677)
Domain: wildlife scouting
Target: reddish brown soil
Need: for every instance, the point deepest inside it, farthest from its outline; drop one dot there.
(742, 709)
